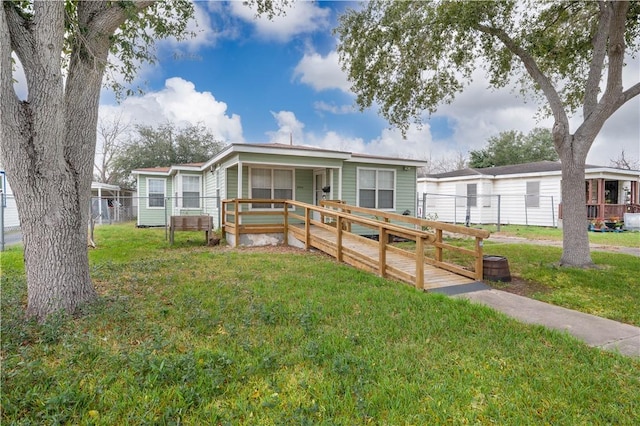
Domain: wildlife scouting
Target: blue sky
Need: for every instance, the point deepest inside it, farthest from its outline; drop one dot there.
(255, 80)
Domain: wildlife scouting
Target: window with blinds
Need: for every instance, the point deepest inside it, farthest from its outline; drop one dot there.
(155, 193)
(271, 184)
(376, 188)
(191, 192)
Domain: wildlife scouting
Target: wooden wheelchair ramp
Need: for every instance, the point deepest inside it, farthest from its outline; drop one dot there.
(364, 253)
(430, 263)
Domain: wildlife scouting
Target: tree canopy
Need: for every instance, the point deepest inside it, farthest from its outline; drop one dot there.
(410, 57)
(513, 147)
(165, 145)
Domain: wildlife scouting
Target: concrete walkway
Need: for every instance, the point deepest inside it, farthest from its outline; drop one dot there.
(595, 331)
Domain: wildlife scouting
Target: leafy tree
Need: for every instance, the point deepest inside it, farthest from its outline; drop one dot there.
(513, 147)
(165, 145)
(48, 140)
(412, 56)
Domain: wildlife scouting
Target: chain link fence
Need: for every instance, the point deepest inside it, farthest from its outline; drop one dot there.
(516, 209)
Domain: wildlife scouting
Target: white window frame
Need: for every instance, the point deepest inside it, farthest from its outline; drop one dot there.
(164, 192)
(273, 206)
(377, 187)
(182, 176)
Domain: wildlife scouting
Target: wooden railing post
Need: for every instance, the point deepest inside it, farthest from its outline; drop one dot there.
(236, 216)
(479, 259)
(307, 230)
(382, 251)
(285, 219)
(420, 262)
(339, 238)
(438, 246)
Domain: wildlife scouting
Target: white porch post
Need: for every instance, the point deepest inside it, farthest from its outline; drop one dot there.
(239, 194)
(100, 204)
(340, 183)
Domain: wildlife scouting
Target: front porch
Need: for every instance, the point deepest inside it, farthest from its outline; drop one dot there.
(609, 199)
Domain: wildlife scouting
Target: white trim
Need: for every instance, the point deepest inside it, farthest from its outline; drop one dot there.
(164, 194)
(181, 191)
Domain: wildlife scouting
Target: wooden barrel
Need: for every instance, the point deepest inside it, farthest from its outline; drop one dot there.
(495, 268)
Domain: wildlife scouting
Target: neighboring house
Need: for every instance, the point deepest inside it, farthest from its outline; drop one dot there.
(275, 171)
(524, 194)
(108, 203)
(111, 203)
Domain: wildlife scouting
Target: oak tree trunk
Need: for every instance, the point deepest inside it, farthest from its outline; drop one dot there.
(575, 241)
(48, 145)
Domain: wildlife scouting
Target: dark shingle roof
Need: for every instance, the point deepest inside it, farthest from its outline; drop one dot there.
(537, 167)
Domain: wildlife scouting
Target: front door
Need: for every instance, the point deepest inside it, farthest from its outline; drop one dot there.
(318, 183)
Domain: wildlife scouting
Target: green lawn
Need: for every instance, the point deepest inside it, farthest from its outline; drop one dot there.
(625, 239)
(209, 335)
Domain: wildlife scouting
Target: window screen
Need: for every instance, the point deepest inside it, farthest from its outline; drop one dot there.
(532, 199)
(472, 194)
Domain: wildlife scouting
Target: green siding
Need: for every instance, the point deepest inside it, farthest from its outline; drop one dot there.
(153, 216)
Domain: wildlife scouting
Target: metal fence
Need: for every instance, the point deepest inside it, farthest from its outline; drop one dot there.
(108, 210)
(512, 209)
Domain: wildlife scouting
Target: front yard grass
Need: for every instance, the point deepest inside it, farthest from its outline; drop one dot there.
(187, 334)
(624, 239)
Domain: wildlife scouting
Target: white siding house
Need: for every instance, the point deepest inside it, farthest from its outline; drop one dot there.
(524, 194)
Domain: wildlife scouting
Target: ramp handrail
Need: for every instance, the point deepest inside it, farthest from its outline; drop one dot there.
(338, 217)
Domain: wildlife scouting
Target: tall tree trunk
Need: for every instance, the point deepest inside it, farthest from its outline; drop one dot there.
(575, 241)
(49, 142)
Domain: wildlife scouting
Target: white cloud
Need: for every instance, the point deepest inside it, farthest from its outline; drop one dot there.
(322, 72)
(289, 128)
(179, 102)
(334, 109)
(390, 143)
(300, 18)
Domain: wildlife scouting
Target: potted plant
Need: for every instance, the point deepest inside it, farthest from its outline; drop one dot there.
(611, 222)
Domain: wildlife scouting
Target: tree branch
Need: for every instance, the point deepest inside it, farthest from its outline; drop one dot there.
(18, 30)
(616, 49)
(555, 102)
(592, 87)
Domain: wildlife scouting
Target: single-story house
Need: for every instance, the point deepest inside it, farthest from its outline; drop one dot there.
(524, 194)
(275, 171)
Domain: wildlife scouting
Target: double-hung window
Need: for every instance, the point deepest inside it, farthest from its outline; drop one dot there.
(155, 192)
(271, 184)
(191, 192)
(376, 188)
